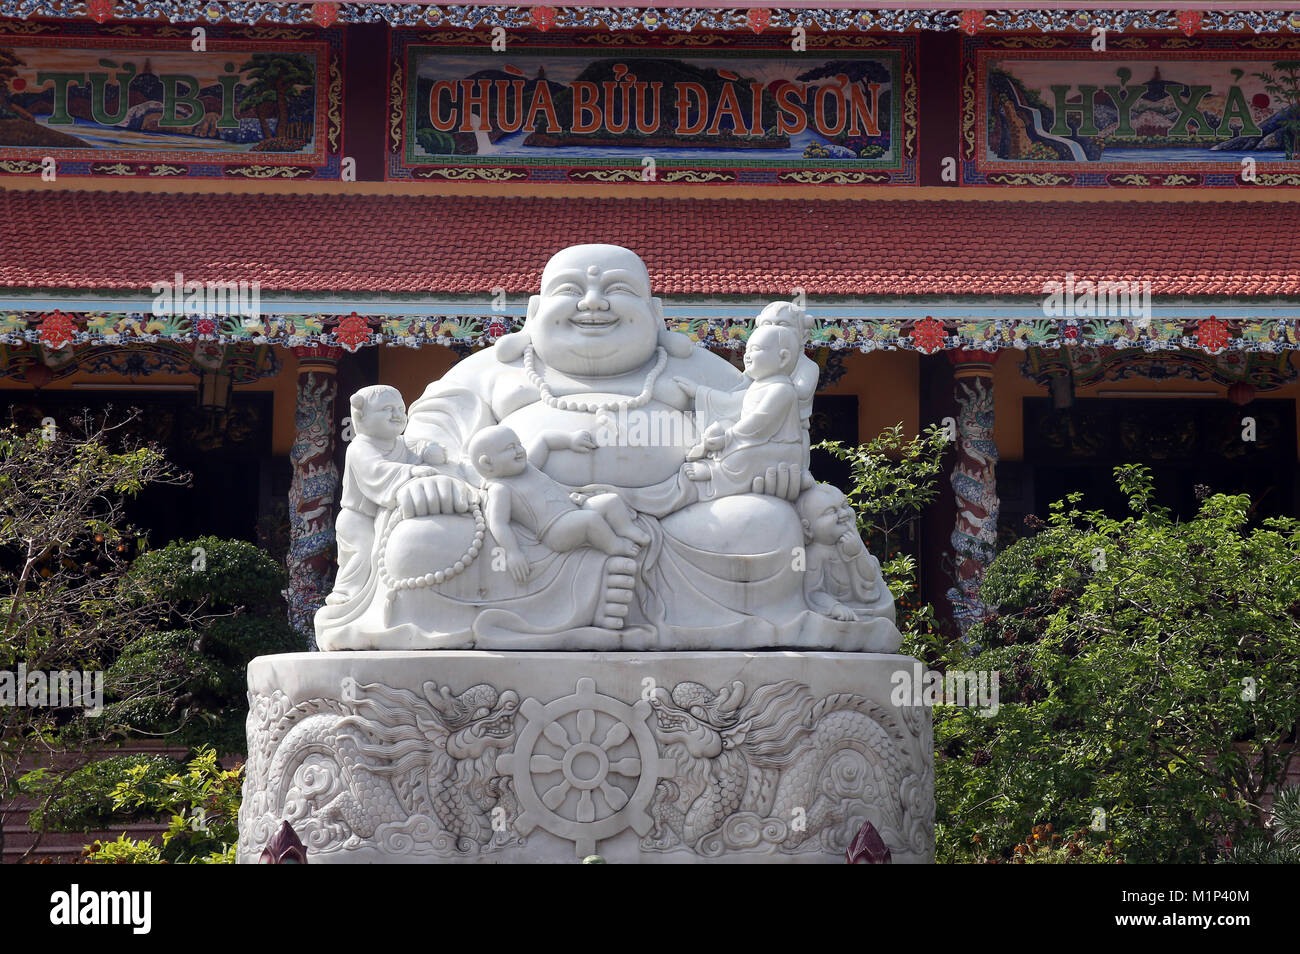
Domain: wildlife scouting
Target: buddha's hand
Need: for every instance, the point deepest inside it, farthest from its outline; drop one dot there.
(842, 613)
(781, 480)
(426, 496)
(688, 386)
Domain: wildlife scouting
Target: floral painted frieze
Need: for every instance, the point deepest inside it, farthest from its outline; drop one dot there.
(928, 335)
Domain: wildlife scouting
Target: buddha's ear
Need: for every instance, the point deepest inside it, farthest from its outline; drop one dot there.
(512, 346)
(675, 343)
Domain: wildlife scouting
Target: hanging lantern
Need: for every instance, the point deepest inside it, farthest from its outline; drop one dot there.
(37, 375)
(1061, 387)
(1241, 393)
(214, 392)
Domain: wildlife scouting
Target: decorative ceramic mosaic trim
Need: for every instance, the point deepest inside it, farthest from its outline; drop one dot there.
(245, 363)
(615, 19)
(1089, 366)
(56, 330)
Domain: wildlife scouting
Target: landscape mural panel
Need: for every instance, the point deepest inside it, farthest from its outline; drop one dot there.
(147, 104)
(653, 114)
(1141, 114)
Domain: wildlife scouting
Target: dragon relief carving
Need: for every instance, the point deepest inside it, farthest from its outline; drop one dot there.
(782, 771)
(429, 773)
(411, 772)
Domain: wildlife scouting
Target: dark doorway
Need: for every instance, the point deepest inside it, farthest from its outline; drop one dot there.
(834, 418)
(1184, 442)
(226, 462)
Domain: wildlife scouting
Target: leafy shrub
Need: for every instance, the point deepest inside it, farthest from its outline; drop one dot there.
(1149, 670)
(1279, 843)
(189, 682)
(124, 851)
(203, 802)
(83, 801)
(1043, 846)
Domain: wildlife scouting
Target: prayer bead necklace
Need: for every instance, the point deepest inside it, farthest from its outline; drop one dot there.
(592, 407)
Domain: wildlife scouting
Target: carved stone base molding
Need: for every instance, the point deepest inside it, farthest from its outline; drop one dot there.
(548, 757)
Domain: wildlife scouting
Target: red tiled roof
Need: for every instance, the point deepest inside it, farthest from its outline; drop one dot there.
(471, 245)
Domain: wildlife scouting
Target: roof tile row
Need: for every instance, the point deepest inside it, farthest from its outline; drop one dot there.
(471, 245)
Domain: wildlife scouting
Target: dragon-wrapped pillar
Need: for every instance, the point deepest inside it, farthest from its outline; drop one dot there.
(974, 483)
(315, 486)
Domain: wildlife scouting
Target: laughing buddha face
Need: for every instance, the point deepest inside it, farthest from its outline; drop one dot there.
(595, 315)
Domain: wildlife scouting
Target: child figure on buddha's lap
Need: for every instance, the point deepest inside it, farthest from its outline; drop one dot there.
(768, 431)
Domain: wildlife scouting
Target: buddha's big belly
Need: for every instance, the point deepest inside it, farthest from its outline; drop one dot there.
(638, 448)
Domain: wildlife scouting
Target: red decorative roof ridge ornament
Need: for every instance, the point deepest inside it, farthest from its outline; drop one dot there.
(1212, 334)
(758, 18)
(543, 17)
(352, 332)
(101, 11)
(57, 331)
(971, 21)
(1189, 21)
(928, 335)
(324, 14)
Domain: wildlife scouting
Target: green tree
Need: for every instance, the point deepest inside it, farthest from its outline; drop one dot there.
(274, 78)
(184, 680)
(66, 604)
(1149, 681)
(893, 479)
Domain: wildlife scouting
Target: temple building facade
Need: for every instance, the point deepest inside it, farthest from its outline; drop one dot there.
(1067, 235)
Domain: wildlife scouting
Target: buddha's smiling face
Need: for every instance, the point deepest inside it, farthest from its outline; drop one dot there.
(595, 315)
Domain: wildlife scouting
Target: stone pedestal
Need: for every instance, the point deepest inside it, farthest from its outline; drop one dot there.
(548, 757)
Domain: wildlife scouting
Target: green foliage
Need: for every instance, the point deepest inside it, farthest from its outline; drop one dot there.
(83, 800)
(233, 589)
(893, 480)
(203, 802)
(124, 851)
(65, 603)
(1149, 669)
(1279, 843)
(1043, 846)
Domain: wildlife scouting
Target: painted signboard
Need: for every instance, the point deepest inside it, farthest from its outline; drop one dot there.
(150, 104)
(1146, 112)
(652, 113)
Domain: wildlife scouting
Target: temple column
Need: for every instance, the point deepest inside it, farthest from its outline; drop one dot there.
(315, 487)
(974, 483)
